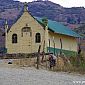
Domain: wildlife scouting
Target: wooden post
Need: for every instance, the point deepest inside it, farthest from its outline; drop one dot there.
(61, 46)
(44, 46)
(54, 48)
(54, 44)
(49, 45)
(46, 61)
(79, 55)
(38, 57)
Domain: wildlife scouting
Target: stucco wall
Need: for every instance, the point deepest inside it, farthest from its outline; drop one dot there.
(25, 44)
(68, 43)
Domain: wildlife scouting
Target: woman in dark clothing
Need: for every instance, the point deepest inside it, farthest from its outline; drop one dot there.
(52, 60)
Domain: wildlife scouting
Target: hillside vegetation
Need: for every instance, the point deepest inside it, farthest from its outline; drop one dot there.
(74, 16)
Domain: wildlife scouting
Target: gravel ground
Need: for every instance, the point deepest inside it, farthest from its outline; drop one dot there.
(30, 76)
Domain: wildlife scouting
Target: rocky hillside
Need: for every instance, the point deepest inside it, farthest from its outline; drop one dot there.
(56, 12)
(81, 30)
(72, 17)
(9, 9)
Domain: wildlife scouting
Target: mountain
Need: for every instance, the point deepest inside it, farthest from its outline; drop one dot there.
(72, 17)
(56, 12)
(46, 9)
(81, 30)
(9, 9)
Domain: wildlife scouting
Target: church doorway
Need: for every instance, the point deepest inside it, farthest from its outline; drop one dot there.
(26, 40)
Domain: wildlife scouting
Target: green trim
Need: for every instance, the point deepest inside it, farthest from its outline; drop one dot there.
(66, 52)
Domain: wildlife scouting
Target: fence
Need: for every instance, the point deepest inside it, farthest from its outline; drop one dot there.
(63, 63)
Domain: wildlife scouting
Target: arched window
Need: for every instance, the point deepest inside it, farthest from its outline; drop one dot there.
(14, 38)
(27, 31)
(37, 38)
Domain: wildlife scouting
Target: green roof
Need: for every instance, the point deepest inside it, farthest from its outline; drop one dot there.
(59, 28)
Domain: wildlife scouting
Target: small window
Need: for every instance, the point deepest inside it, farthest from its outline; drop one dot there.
(38, 38)
(14, 38)
(27, 31)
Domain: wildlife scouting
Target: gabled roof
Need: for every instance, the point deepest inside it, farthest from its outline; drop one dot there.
(59, 28)
(54, 26)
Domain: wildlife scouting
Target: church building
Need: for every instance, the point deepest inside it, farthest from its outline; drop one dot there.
(29, 32)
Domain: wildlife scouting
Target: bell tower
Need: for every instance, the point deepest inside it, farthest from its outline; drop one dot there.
(6, 29)
(25, 7)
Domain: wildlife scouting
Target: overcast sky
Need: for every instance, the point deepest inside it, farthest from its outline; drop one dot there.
(65, 3)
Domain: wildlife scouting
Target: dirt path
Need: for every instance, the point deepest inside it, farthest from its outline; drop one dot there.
(30, 76)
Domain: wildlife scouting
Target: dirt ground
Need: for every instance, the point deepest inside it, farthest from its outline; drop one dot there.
(14, 75)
